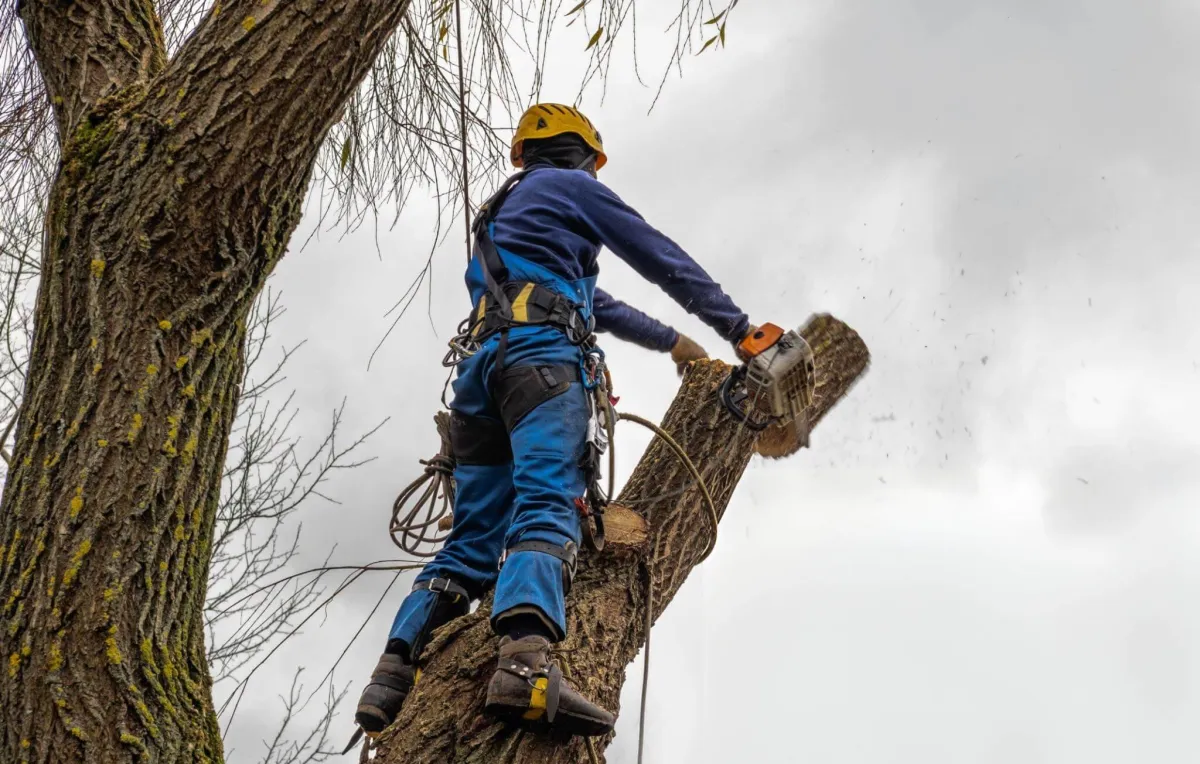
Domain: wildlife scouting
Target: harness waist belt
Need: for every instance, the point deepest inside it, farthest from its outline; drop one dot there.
(531, 305)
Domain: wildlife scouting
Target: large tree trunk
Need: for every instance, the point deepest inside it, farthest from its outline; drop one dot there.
(179, 187)
(662, 531)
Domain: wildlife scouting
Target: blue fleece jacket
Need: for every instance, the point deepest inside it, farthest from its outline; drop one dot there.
(560, 218)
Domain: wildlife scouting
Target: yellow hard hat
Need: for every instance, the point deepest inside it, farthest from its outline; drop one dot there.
(546, 120)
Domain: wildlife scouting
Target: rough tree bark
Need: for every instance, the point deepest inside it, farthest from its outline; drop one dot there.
(180, 184)
(661, 530)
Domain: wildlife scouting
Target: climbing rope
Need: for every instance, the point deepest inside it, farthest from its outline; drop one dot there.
(419, 532)
(648, 623)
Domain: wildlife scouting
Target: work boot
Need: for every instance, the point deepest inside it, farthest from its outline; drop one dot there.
(381, 699)
(529, 691)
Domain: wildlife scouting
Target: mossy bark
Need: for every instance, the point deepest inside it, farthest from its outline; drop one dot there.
(442, 721)
(179, 186)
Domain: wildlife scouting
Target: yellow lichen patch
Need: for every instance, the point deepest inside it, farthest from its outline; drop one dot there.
(168, 446)
(179, 533)
(152, 370)
(102, 443)
(248, 23)
(14, 665)
(98, 266)
(12, 550)
(93, 343)
(96, 369)
(77, 502)
(189, 448)
(112, 650)
(200, 337)
(181, 361)
(165, 325)
(77, 562)
(163, 566)
(147, 650)
(110, 594)
(135, 428)
(55, 661)
(25, 743)
(189, 391)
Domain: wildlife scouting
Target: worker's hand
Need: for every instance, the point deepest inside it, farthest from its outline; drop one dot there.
(685, 351)
(737, 346)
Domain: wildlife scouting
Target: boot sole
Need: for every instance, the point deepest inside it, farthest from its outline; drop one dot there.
(565, 722)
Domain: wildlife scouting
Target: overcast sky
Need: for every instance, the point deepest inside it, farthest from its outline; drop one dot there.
(989, 553)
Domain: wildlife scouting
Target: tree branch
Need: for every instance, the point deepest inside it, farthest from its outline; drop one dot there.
(260, 83)
(443, 720)
(87, 49)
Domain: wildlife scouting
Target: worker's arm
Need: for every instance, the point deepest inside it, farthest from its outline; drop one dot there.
(655, 257)
(627, 323)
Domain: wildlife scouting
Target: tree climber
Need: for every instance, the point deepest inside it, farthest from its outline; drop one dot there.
(519, 419)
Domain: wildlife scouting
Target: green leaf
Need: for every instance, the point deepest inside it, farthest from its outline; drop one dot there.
(722, 28)
(577, 8)
(346, 153)
(446, 52)
(716, 19)
(595, 39)
(708, 43)
(445, 30)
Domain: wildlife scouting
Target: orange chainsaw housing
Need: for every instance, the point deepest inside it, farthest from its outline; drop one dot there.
(762, 339)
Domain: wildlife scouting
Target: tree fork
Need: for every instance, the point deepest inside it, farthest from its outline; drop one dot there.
(663, 531)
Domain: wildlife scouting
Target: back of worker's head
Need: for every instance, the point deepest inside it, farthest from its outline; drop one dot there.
(567, 151)
(557, 135)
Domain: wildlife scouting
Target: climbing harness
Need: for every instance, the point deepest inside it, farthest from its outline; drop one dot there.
(508, 304)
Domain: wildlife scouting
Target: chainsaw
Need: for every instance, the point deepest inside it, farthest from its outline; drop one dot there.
(771, 392)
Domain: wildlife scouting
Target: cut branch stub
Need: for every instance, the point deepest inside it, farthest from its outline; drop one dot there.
(664, 531)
